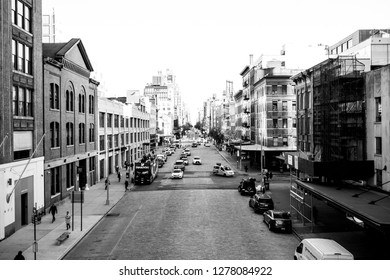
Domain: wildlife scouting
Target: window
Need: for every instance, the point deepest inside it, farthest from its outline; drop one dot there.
(122, 122)
(92, 164)
(275, 123)
(91, 132)
(127, 122)
(284, 123)
(284, 89)
(284, 105)
(274, 89)
(55, 134)
(294, 123)
(91, 104)
(69, 175)
(21, 15)
(116, 140)
(131, 138)
(109, 120)
(122, 139)
(101, 142)
(22, 101)
(69, 134)
(378, 109)
(275, 141)
(101, 119)
(294, 107)
(81, 133)
(21, 57)
(274, 106)
(82, 102)
(54, 96)
(116, 121)
(378, 141)
(109, 141)
(54, 180)
(285, 142)
(127, 138)
(69, 100)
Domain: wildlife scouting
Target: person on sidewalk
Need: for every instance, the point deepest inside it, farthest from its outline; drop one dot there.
(246, 168)
(119, 176)
(126, 185)
(53, 211)
(19, 256)
(67, 220)
(106, 183)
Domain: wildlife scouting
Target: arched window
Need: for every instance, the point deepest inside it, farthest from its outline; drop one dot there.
(69, 99)
(54, 134)
(54, 96)
(91, 132)
(91, 107)
(69, 134)
(82, 101)
(81, 133)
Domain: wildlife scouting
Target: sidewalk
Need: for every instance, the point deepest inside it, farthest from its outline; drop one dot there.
(94, 209)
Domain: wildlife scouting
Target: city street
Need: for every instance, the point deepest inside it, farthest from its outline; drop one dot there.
(201, 216)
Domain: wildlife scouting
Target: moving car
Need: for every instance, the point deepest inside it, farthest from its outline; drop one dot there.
(179, 164)
(247, 186)
(196, 160)
(261, 202)
(183, 155)
(280, 220)
(185, 160)
(223, 170)
(321, 249)
(168, 152)
(162, 156)
(177, 174)
(187, 151)
(194, 145)
(207, 144)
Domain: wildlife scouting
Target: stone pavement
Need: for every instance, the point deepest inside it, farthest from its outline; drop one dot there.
(94, 208)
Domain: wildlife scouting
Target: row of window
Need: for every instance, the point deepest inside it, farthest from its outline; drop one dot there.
(69, 99)
(284, 106)
(113, 140)
(55, 134)
(284, 123)
(130, 122)
(22, 101)
(21, 15)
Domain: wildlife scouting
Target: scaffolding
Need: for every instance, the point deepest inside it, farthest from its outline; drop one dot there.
(338, 108)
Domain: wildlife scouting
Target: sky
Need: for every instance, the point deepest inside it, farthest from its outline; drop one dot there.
(204, 42)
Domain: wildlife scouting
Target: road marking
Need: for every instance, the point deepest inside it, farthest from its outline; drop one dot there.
(127, 227)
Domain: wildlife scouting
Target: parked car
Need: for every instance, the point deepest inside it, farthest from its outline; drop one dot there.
(194, 145)
(168, 152)
(196, 160)
(247, 186)
(278, 220)
(177, 174)
(160, 162)
(261, 202)
(173, 147)
(187, 151)
(179, 164)
(321, 249)
(207, 144)
(163, 157)
(223, 170)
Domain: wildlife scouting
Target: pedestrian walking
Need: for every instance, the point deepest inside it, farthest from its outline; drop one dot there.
(117, 169)
(270, 175)
(246, 168)
(53, 211)
(19, 256)
(67, 220)
(119, 176)
(107, 182)
(126, 185)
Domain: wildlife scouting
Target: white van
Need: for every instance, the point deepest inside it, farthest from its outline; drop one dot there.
(321, 249)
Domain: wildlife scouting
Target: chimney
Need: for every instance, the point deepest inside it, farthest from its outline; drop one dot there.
(250, 60)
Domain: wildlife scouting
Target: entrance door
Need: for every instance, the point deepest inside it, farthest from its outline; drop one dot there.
(101, 168)
(109, 165)
(24, 209)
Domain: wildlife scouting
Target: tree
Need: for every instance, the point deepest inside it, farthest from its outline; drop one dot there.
(217, 135)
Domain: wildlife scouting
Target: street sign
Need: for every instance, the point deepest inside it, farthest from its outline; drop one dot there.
(77, 197)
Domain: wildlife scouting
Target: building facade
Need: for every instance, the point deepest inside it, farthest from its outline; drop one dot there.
(123, 134)
(21, 118)
(71, 116)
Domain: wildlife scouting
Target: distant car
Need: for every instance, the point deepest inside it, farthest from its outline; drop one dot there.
(207, 144)
(168, 152)
(261, 202)
(160, 162)
(194, 145)
(162, 156)
(196, 160)
(179, 164)
(173, 147)
(185, 160)
(278, 220)
(183, 155)
(221, 170)
(187, 151)
(177, 174)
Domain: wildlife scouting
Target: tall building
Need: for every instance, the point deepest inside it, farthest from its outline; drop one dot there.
(21, 118)
(71, 116)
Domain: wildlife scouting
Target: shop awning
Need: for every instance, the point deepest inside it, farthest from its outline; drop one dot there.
(257, 147)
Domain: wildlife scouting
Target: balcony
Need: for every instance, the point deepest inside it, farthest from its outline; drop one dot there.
(245, 84)
(246, 111)
(246, 96)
